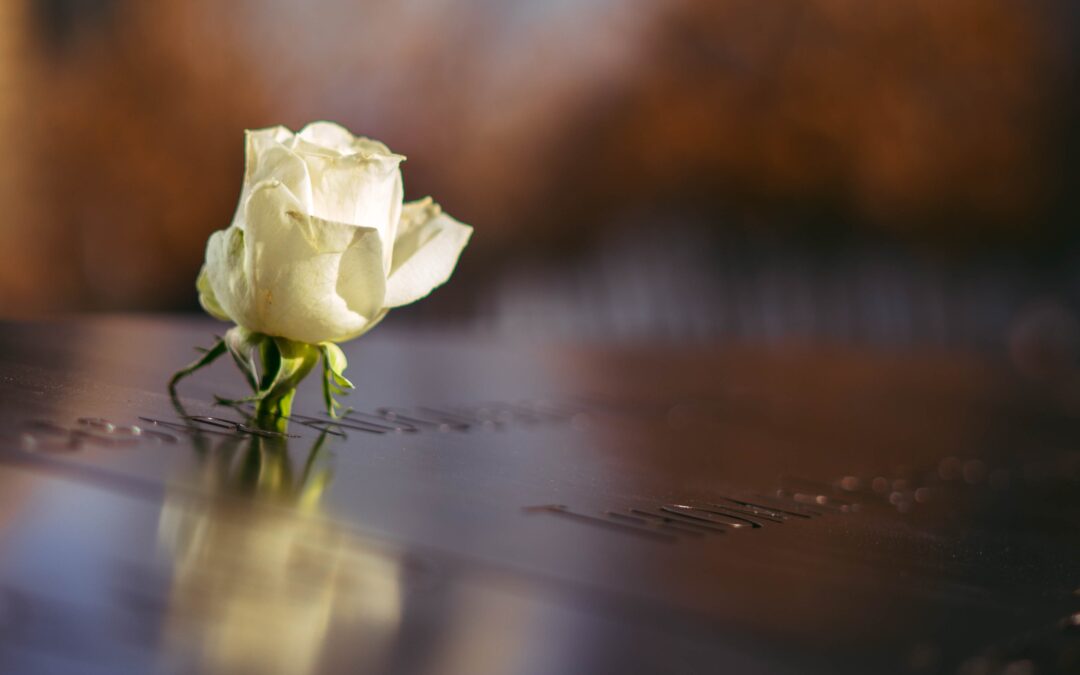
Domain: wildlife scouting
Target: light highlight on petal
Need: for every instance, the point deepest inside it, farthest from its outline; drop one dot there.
(427, 249)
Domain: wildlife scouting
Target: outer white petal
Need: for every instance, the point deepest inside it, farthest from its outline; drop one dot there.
(328, 135)
(224, 275)
(331, 136)
(369, 146)
(269, 156)
(397, 204)
(357, 190)
(361, 281)
(258, 141)
(207, 297)
(299, 287)
(428, 245)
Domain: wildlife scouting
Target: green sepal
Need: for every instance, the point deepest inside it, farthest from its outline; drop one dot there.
(237, 402)
(280, 366)
(208, 357)
(285, 363)
(242, 343)
(334, 380)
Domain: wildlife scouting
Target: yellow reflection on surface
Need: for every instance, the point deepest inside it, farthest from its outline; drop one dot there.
(261, 583)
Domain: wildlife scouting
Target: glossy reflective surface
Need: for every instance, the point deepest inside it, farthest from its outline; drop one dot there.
(495, 508)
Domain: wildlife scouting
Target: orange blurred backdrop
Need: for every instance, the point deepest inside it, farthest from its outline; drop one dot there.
(942, 129)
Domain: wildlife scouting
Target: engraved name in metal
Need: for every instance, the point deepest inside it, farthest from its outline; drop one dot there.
(678, 521)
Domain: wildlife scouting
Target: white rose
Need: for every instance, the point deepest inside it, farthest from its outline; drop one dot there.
(321, 246)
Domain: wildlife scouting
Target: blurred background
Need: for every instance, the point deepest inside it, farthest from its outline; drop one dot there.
(875, 172)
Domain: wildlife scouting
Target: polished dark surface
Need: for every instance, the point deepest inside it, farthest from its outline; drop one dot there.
(498, 508)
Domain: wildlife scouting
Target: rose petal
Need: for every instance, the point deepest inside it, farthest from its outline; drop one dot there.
(357, 191)
(429, 243)
(328, 135)
(370, 147)
(312, 280)
(257, 141)
(361, 280)
(207, 298)
(319, 137)
(225, 275)
(268, 159)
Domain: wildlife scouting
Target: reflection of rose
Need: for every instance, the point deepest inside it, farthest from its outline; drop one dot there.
(257, 587)
(322, 246)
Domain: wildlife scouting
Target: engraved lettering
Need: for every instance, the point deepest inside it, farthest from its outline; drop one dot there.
(627, 528)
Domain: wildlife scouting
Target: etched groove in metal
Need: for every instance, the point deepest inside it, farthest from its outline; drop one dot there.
(686, 520)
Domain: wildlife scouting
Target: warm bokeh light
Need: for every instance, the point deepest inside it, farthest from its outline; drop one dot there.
(933, 137)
